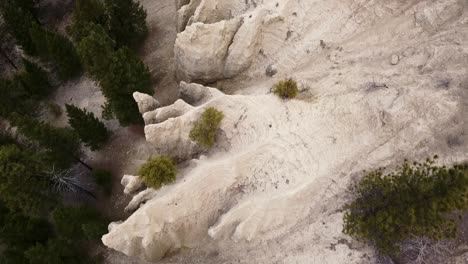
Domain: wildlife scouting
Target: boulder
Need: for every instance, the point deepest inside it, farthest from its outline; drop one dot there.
(201, 50)
(145, 102)
(196, 94)
(131, 184)
(162, 114)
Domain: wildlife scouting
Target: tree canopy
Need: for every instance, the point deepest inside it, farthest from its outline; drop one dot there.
(417, 200)
(22, 183)
(126, 74)
(126, 21)
(91, 131)
(53, 47)
(18, 19)
(62, 144)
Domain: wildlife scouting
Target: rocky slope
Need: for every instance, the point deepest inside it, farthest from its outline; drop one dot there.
(381, 80)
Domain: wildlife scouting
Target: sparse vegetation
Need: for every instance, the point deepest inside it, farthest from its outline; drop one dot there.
(419, 200)
(286, 89)
(158, 171)
(204, 131)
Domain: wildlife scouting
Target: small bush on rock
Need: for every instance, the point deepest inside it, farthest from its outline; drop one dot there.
(204, 131)
(158, 171)
(418, 200)
(286, 89)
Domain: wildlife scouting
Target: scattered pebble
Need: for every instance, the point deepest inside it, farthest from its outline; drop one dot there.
(395, 59)
(271, 70)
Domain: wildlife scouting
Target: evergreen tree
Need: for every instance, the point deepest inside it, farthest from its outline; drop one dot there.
(126, 75)
(14, 98)
(91, 131)
(79, 223)
(58, 49)
(418, 200)
(96, 51)
(62, 143)
(126, 22)
(20, 232)
(86, 12)
(18, 21)
(22, 185)
(56, 251)
(35, 80)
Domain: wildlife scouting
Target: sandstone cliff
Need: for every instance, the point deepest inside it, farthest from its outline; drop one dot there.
(381, 80)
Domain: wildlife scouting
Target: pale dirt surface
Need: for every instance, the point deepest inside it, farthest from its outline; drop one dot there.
(272, 188)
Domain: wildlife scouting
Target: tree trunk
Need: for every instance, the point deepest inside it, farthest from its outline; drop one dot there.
(8, 59)
(83, 163)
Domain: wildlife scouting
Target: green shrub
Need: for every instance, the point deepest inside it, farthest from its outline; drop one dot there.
(417, 200)
(104, 179)
(204, 131)
(286, 89)
(158, 171)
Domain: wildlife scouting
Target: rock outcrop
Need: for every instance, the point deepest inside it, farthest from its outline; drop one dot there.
(131, 184)
(272, 188)
(145, 102)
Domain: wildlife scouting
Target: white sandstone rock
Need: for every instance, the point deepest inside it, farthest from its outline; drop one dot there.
(196, 94)
(131, 183)
(395, 59)
(140, 198)
(272, 188)
(162, 114)
(145, 102)
(201, 50)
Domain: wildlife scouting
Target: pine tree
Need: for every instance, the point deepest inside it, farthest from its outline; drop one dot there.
(62, 143)
(18, 21)
(417, 200)
(126, 21)
(21, 185)
(51, 46)
(86, 12)
(126, 74)
(96, 51)
(35, 79)
(91, 131)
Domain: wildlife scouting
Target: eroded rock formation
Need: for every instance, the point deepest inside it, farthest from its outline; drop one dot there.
(272, 187)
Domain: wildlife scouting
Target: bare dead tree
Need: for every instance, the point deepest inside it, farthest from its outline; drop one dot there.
(422, 250)
(68, 181)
